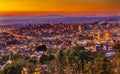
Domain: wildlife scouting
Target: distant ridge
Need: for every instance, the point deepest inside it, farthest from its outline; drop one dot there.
(58, 15)
(56, 19)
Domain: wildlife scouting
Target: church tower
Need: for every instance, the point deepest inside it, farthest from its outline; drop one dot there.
(99, 35)
(79, 29)
(107, 33)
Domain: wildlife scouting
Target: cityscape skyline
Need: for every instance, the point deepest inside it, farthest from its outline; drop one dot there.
(59, 36)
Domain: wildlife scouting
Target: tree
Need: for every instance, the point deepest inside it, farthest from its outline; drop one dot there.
(13, 68)
(102, 64)
(41, 48)
(116, 59)
(43, 59)
(76, 58)
(116, 48)
(89, 65)
(60, 62)
(107, 66)
(30, 66)
(79, 60)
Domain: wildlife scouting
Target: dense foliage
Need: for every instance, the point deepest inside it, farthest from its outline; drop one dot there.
(76, 60)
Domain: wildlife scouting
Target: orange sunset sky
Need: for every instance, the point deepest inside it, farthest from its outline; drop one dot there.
(65, 7)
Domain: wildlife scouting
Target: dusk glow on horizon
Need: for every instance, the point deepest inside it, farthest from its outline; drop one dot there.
(59, 7)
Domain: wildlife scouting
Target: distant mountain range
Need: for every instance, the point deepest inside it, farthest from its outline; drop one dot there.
(55, 19)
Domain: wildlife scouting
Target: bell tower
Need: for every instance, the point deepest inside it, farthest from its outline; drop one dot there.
(107, 33)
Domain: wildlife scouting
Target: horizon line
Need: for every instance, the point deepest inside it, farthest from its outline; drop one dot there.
(19, 13)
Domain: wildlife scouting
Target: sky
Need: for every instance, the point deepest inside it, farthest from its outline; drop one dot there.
(59, 7)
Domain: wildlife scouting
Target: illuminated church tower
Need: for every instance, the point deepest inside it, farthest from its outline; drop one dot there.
(98, 35)
(79, 29)
(107, 33)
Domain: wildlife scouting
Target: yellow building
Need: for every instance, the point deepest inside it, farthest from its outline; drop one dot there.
(36, 73)
(107, 34)
(79, 29)
(99, 35)
(24, 71)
